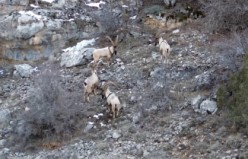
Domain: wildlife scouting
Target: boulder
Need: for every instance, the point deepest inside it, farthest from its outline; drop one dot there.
(204, 80)
(208, 106)
(75, 58)
(24, 70)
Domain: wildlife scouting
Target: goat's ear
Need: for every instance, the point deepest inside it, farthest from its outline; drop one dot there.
(116, 40)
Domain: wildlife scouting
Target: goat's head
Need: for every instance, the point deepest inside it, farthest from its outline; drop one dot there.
(114, 43)
(92, 67)
(160, 40)
(103, 88)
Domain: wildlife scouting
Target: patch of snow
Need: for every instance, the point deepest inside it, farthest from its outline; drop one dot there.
(96, 116)
(133, 17)
(124, 6)
(80, 45)
(91, 123)
(100, 114)
(27, 109)
(95, 4)
(48, 1)
(34, 6)
(30, 13)
(36, 69)
(102, 125)
(175, 31)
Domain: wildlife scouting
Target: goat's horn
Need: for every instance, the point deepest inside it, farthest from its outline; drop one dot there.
(111, 82)
(110, 39)
(104, 86)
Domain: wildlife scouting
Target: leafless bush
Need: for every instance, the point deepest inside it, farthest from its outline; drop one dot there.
(226, 15)
(53, 113)
(232, 48)
(107, 20)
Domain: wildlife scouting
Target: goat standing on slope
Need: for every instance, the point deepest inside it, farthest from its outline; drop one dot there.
(114, 104)
(105, 52)
(164, 49)
(90, 84)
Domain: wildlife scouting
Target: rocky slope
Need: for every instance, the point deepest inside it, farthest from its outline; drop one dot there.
(169, 109)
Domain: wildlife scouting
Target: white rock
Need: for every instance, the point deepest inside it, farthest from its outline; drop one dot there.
(2, 142)
(196, 101)
(24, 70)
(208, 106)
(89, 126)
(175, 31)
(75, 58)
(4, 114)
(116, 134)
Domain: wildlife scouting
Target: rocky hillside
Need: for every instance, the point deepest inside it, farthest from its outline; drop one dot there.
(170, 110)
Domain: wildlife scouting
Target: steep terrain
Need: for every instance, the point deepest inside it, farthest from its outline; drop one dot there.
(169, 109)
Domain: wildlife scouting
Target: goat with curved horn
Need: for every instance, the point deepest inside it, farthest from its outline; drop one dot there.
(106, 52)
(90, 84)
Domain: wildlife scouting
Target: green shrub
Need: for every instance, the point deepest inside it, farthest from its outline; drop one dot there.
(233, 96)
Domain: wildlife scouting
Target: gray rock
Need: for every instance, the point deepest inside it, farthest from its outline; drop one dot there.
(88, 127)
(116, 134)
(208, 106)
(204, 80)
(54, 24)
(77, 57)
(156, 154)
(14, 2)
(136, 118)
(28, 25)
(157, 72)
(2, 142)
(195, 102)
(4, 115)
(24, 70)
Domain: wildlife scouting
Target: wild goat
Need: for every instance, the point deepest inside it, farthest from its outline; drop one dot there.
(164, 49)
(114, 104)
(90, 84)
(106, 52)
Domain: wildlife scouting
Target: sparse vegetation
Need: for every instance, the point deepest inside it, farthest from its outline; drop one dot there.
(233, 96)
(108, 21)
(53, 114)
(226, 15)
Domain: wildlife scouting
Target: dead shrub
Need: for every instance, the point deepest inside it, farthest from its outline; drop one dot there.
(226, 15)
(53, 115)
(107, 21)
(231, 49)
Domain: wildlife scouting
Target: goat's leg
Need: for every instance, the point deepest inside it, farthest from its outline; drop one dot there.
(113, 110)
(117, 112)
(86, 97)
(109, 108)
(108, 61)
(94, 90)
